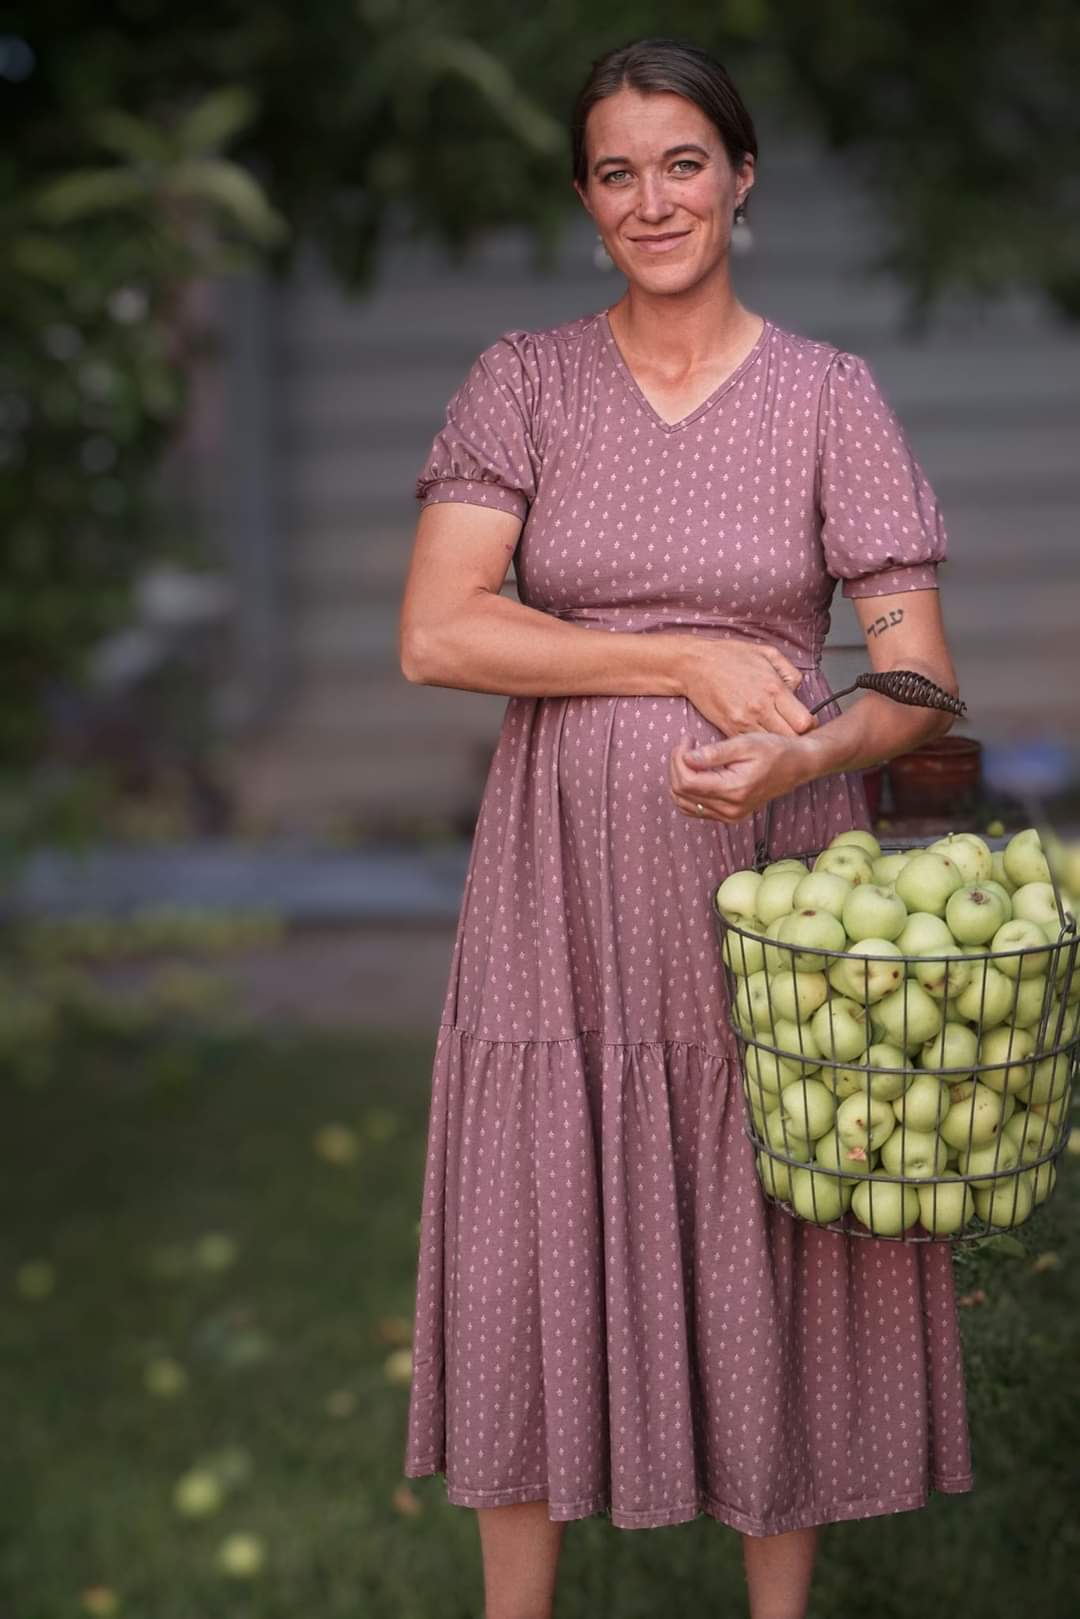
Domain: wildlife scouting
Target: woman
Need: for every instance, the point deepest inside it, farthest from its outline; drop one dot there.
(609, 1316)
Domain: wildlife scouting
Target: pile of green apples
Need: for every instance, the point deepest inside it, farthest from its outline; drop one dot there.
(924, 1010)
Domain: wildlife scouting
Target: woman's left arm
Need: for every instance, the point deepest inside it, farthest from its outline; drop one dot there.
(731, 779)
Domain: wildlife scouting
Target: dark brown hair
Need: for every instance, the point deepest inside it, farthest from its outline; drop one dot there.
(674, 66)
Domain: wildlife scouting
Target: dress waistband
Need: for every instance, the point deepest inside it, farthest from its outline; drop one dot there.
(802, 653)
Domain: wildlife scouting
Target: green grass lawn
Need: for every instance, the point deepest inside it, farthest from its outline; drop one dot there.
(200, 1231)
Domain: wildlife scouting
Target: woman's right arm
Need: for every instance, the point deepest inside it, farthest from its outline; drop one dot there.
(457, 630)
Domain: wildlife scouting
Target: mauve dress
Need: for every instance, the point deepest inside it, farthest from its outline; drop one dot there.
(609, 1315)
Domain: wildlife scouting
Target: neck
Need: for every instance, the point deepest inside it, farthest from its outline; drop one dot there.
(690, 328)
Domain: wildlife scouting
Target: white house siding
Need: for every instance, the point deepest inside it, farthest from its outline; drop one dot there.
(351, 392)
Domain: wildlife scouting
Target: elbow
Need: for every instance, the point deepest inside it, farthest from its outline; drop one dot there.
(416, 657)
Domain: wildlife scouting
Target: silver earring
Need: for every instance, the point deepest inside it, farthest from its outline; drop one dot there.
(742, 239)
(601, 258)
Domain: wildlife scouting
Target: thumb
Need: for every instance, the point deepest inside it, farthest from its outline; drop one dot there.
(711, 755)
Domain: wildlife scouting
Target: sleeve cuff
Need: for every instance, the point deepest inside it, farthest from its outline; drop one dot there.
(891, 581)
(474, 492)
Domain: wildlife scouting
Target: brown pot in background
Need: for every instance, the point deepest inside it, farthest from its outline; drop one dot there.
(940, 778)
(873, 779)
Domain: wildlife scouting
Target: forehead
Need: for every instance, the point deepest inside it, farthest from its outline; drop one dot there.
(633, 123)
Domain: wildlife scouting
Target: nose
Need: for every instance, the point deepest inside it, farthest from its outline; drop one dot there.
(654, 204)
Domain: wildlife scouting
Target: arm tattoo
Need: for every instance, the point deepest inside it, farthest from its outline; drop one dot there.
(880, 625)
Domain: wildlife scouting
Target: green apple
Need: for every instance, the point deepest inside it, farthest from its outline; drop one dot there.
(861, 840)
(924, 934)
(1024, 860)
(974, 914)
(743, 955)
(788, 864)
(796, 1043)
(1049, 1080)
(859, 977)
(1010, 1046)
(945, 1206)
(1056, 1112)
(885, 869)
(822, 891)
(877, 1077)
(968, 853)
(847, 861)
(1007, 1204)
(797, 996)
(816, 1195)
(951, 1054)
(1042, 1182)
(777, 959)
(841, 1029)
(988, 1161)
(1028, 1001)
(738, 893)
(760, 1103)
(753, 1008)
(992, 886)
(866, 1122)
(766, 1071)
(809, 932)
(976, 1114)
(927, 881)
(987, 999)
(809, 1108)
(998, 872)
(924, 1104)
(775, 1176)
(873, 912)
(774, 896)
(909, 1017)
(782, 1138)
(914, 1153)
(1031, 1133)
(832, 1153)
(1035, 902)
(1017, 936)
(941, 974)
(887, 1208)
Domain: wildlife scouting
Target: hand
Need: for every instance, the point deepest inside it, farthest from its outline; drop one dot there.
(733, 778)
(742, 686)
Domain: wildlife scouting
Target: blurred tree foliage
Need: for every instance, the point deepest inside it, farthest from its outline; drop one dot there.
(444, 117)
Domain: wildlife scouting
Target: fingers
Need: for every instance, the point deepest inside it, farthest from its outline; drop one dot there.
(796, 717)
(789, 674)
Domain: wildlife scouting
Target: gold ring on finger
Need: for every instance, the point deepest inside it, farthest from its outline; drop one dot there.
(700, 808)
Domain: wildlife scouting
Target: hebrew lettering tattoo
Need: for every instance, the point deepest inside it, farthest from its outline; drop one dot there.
(880, 625)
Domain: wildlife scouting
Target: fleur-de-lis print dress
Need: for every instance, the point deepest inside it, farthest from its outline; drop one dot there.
(610, 1316)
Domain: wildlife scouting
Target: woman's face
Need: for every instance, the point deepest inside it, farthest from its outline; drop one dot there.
(657, 169)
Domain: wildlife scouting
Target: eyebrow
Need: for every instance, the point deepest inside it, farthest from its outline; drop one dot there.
(687, 146)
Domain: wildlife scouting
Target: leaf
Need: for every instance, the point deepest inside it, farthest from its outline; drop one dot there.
(1010, 1247)
(88, 191)
(234, 190)
(217, 118)
(129, 137)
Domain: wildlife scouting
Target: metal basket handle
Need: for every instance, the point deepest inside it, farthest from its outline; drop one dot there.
(903, 686)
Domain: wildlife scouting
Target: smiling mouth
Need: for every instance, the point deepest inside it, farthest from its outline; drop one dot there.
(655, 245)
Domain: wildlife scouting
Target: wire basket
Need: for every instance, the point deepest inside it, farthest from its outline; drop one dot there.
(915, 1097)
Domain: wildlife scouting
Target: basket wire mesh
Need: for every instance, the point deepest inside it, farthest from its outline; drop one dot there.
(804, 1017)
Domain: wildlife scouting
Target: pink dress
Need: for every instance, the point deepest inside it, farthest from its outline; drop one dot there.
(609, 1315)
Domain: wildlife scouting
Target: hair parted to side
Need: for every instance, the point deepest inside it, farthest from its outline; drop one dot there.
(677, 67)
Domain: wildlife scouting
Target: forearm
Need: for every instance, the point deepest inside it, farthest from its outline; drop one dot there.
(875, 728)
(498, 645)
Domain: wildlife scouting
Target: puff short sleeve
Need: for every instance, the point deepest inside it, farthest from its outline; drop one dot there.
(484, 454)
(882, 530)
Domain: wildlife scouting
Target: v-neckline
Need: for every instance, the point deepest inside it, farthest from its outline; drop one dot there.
(638, 393)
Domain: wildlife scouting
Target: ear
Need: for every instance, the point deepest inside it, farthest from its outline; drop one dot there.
(581, 194)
